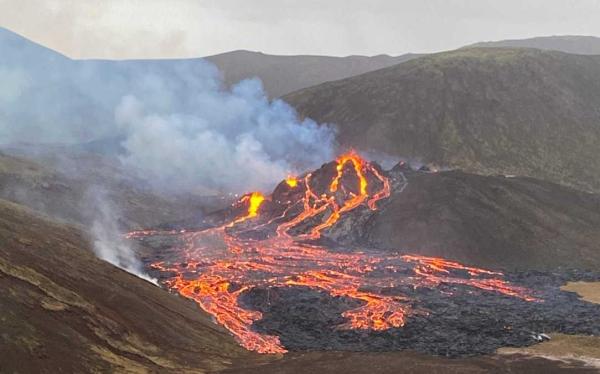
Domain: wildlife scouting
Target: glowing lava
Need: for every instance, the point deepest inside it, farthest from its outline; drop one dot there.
(216, 266)
(254, 201)
(292, 182)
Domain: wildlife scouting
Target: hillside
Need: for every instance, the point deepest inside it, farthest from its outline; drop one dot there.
(284, 74)
(575, 44)
(63, 310)
(511, 111)
(488, 221)
(74, 187)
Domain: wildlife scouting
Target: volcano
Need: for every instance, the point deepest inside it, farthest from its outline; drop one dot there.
(290, 272)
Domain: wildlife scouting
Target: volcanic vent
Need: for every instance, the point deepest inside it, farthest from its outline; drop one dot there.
(274, 274)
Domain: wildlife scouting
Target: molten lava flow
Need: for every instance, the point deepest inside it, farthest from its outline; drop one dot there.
(254, 201)
(292, 182)
(216, 266)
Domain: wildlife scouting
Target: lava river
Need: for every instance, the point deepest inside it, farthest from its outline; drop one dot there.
(276, 241)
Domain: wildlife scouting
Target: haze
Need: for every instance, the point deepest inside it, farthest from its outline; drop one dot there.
(186, 28)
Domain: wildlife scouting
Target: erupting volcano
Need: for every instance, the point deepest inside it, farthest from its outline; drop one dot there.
(276, 241)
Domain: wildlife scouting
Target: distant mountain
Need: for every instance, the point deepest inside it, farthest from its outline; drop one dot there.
(493, 111)
(284, 74)
(576, 44)
(47, 97)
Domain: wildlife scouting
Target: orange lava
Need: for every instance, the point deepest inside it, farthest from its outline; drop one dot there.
(292, 182)
(254, 200)
(216, 266)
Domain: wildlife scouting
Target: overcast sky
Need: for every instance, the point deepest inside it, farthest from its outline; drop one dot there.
(191, 28)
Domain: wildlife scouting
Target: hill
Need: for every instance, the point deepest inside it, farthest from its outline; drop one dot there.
(576, 44)
(63, 310)
(284, 74)
(488, 221)
(74, 188)
(511, 111)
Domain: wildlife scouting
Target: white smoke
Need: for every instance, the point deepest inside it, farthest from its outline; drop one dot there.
(172, 123)
(231, 140)
(109, 244)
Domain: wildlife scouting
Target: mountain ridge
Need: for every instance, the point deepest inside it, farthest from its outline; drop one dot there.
(280, 74)
(575, 44)
(485, 110)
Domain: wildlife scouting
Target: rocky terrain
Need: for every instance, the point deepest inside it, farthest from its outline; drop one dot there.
(460, 321)
(499, 222)
(452, 311)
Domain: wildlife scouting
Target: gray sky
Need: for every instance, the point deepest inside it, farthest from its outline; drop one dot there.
(192, 28)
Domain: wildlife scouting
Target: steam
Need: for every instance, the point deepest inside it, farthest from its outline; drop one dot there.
(172, 124)
(231, 141)
(109, 244)
(181, 128)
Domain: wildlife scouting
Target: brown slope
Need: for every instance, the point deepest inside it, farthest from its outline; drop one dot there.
(63, 310)
(284, 74)
(489, 221)
(514, 111)
(411, 363)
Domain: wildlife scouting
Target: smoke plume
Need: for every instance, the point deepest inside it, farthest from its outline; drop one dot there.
(109, 244)
(172, 124)
(231, 140)
(174, 121)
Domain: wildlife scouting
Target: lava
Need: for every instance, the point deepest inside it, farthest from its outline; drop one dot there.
(255, 200)
(216, 266)
(291, 181)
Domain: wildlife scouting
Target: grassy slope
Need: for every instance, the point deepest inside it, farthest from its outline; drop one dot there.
(284, 74)
(577, 44)
(514, 111)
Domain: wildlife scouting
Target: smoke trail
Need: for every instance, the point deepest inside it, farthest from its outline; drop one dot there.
(109, 245)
